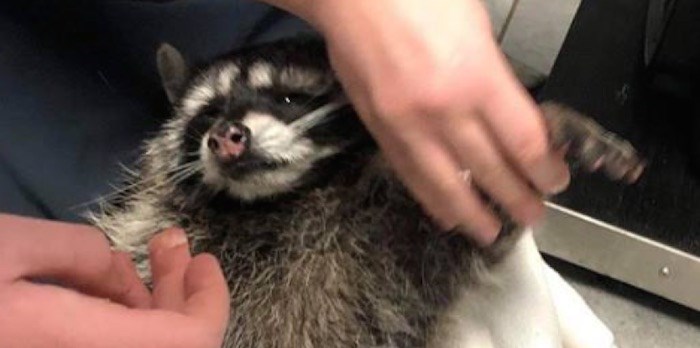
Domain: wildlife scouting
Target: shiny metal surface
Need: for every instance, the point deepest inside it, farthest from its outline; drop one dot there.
(620, 254)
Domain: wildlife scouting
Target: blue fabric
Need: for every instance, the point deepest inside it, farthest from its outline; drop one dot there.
(79, 90)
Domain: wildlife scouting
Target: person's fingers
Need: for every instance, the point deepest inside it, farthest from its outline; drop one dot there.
(490, 171)
(71, 255)
(433, 176)
(170, 256)
(521, 130)
(38, 248)
(206, 291)
(135, 294)
(66, 318)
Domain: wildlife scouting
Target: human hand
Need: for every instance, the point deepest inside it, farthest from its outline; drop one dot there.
(432, 86)
(101, 302)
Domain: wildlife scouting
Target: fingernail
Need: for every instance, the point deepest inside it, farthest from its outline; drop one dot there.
(169, 239)
(636, 173)
(550, 175)
(174, 238)
(559, 183)
(482, 238)
(559, 187)
(598, 163)
(488, 237)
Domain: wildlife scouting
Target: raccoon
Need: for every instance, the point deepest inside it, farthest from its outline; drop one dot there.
(266, 165)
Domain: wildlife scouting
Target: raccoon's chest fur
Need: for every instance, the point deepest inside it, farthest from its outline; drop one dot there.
(340, 266)
(354, 263)
(347, 261)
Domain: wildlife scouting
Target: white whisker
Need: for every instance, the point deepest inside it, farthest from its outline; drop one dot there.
(318, 116)
(174, 176)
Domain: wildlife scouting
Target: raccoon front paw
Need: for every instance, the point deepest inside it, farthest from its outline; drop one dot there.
(589, 145)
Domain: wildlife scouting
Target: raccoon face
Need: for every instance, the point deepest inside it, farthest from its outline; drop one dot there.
(260, 121)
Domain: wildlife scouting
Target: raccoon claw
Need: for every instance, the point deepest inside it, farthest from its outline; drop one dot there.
(636, 173)
(620, 159)
(597, 164)
(614, 157)
(589, 145)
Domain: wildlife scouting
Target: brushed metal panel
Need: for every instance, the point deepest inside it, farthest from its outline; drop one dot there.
(620, 254)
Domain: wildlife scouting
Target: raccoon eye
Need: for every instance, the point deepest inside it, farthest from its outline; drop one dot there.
(210, 111)
(294, 98)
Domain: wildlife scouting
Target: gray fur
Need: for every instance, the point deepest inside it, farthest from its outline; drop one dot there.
(352, 262)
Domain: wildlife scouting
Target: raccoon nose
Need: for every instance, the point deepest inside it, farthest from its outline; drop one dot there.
(228, 140)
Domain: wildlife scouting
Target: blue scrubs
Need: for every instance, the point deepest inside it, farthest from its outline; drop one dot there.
(79, 90)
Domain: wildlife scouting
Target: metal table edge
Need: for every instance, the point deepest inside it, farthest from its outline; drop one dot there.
(620, 254)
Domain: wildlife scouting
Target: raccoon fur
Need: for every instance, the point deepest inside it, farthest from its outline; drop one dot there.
(266, 166)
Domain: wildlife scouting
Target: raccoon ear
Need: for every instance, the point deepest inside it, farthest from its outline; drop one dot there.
(172, 69)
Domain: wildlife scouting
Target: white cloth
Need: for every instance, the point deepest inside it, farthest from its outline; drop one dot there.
(525, 305)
